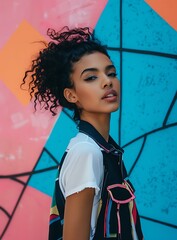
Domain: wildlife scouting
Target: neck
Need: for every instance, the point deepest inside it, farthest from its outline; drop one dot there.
(100, 123)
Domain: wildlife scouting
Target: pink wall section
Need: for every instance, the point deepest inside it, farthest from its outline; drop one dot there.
(23, 134)
(43, 14)
(29, 220)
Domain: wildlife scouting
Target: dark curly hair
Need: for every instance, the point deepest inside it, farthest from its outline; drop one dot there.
(50, 72)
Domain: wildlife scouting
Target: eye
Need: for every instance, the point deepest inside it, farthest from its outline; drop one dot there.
(90, 78)
(112, 74)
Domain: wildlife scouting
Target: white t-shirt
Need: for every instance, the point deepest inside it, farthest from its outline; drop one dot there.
(83, 168)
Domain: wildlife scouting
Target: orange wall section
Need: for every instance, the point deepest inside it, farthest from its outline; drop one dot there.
(16, 56)
(167, 9)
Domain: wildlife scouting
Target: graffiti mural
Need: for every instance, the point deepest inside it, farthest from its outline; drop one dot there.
(141, 38)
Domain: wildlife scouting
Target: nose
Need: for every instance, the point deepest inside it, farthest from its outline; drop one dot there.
(107, 81)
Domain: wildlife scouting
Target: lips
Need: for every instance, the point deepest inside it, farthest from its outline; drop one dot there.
(109, 94)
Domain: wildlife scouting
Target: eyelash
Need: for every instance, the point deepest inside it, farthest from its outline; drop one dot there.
(112, 74)
(92, 78)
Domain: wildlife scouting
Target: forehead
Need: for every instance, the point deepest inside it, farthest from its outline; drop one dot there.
(93, 60)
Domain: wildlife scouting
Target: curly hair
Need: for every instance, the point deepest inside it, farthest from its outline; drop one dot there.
(50, 72)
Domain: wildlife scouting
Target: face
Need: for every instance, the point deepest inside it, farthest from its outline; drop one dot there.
(96, 87)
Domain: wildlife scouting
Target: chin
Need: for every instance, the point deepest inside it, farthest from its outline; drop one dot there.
(114, 109)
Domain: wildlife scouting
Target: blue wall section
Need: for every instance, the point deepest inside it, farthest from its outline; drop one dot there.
(149, 86)
(144, 29)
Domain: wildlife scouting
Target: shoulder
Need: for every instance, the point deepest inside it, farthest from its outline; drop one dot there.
(83, 144)
(82, 167)
(82, 153)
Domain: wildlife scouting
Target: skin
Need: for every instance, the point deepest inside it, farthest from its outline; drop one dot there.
(93, 76)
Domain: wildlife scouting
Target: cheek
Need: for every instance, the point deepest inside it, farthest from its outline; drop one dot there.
(87, 97)
(85, 93)
(82, 96)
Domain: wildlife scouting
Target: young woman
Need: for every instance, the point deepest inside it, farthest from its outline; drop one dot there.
(92, 199)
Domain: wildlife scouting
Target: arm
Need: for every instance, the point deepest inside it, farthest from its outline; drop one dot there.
(77, 217)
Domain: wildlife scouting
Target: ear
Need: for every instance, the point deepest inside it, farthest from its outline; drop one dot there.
(70, 95)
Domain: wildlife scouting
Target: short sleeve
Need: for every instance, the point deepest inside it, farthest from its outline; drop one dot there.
(82, 168)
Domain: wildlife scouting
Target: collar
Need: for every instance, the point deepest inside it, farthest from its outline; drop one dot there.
(109, 147)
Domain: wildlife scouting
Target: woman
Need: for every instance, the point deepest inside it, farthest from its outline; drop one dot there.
(92, 199)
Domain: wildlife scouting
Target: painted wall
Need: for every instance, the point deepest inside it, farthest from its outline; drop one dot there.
(141, 37)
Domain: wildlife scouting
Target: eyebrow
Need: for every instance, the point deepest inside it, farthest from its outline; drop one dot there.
(96, 70)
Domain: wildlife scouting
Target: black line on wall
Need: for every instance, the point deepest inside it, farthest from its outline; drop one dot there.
(170, 109)
(67, 114)
(4, 211)
(160, 222)
(16, 180)
(11, 176)
(139, 154)
(30, 173)
(144, 52)
(150, 132)
(51, 156)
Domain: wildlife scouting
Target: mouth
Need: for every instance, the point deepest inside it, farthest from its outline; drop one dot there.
(110, 94)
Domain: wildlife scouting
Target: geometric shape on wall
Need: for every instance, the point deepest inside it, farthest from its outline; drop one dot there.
(166, 9)
(9, 188)
(4, 219)
(62, 132)
(23, 134)
(54, 14)
(163, 232)
(72, 13)
(171, 116)
(132, 153)
(111, 14)
(44, 179)
(144, 29)
(30, 216)
(16, 56)
(155, 177)
(153, 84)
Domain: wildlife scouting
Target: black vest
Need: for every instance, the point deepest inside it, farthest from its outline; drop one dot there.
(118, 217)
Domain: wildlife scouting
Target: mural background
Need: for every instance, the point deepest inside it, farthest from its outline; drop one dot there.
(141, 37)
